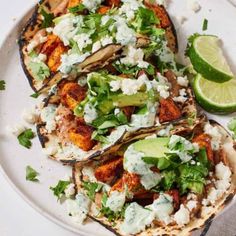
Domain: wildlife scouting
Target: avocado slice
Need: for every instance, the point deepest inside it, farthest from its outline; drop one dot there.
(122, 100)
(153, 148)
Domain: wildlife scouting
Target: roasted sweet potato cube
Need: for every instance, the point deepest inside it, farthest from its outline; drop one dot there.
(118, 186)
(103, 9)
(81, 136)
(73, 3)
(49, 46)
(114, 3)
(54, 59)
(169, 111)
(204, 141)
(72, 94)
(109, 170)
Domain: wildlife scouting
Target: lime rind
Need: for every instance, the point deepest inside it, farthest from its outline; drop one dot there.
(203, 66)
(205, 101)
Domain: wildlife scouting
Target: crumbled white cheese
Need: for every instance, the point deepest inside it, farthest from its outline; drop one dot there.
(131, 86)
(163, 207)
(183, 81)
(194, 6)
(115, 85)
(215, 134)
(162, 86)
(92, 5)
(105, 19)
(82, 40)
(222, 183)
(88, 171)
(182, 98)
(78, 208)
(222, 171)
(49, 30)
(70, 190)
(165, 132)
(191, 205)
(16, 129)
(182, 216)
(162, 2)
(128, 86)
(67, 27)
(116, 201)
(125, 35)
(48, 116)
(90, 113)
(106, 40)
(134, 56)
(129, 7)
(30, 115)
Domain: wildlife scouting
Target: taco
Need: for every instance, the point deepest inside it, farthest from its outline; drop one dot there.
(169, 185)
(80, 120)
(71, 37)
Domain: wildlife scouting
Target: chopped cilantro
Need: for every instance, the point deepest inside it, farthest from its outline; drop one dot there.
(59, 189)
(2, 84)
(39, 69)
(47, 18)
(34, 95)
(25, 138)
(31, 174)
(108, 213)
(91, 189)
(205, 25)
(78, 8)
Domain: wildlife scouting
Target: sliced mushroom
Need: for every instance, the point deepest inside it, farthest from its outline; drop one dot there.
(101, 58)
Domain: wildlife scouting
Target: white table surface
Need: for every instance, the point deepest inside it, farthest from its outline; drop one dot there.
(16, 216)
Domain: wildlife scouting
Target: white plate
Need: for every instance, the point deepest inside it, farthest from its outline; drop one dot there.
(14, 158)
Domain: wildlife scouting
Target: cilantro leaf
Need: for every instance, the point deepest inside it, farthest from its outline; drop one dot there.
(76, 9)
(168, 179)
(31, 174)
(205, 25)
(2, 85)
(192, 177)
(108, 213)
(145, 20)
(34, 95)
(47, 18)
(59, 189)
(25, 138)
(91, 189)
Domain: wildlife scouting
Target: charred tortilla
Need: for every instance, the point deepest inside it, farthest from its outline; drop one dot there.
(198, 219)
(36, 31)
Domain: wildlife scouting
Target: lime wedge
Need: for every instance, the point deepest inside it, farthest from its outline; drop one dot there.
(215, 97)
(208, 59)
